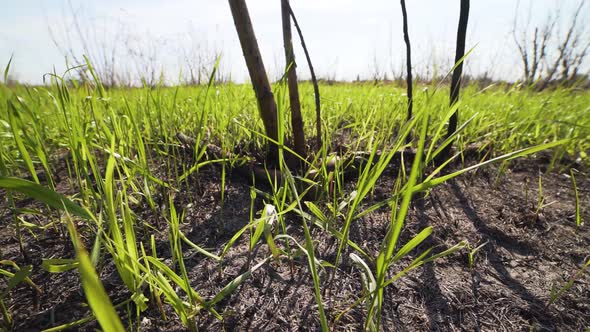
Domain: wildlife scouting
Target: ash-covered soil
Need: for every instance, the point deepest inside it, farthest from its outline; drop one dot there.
(526, 251)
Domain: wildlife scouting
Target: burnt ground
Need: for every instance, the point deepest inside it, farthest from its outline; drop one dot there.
(526, 251)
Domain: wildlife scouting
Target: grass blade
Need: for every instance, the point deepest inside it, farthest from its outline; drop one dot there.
(43, 194)
(97, 297)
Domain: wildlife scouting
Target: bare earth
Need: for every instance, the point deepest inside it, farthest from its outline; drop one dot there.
(526, 253)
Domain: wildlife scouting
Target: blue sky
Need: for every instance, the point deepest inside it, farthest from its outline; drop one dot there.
(346, 38)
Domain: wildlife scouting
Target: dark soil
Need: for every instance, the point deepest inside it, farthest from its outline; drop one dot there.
(526, 251)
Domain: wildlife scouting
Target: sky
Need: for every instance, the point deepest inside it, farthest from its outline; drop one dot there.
(346, 38)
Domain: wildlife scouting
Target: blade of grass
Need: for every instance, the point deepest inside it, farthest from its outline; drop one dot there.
(43, 194)
(97, 297)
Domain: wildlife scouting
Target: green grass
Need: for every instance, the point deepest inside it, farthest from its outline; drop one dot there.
(121, 150)
(51, 119)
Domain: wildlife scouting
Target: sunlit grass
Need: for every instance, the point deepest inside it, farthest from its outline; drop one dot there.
(119, 150)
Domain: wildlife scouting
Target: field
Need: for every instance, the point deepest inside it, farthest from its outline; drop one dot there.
(106, 217)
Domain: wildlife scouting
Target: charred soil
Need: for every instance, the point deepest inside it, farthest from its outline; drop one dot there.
(527, 248)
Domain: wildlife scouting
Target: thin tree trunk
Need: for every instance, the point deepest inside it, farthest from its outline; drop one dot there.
(408, 65)
(459, 54)
(266, 102)
(316, 88)
(296, 119)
